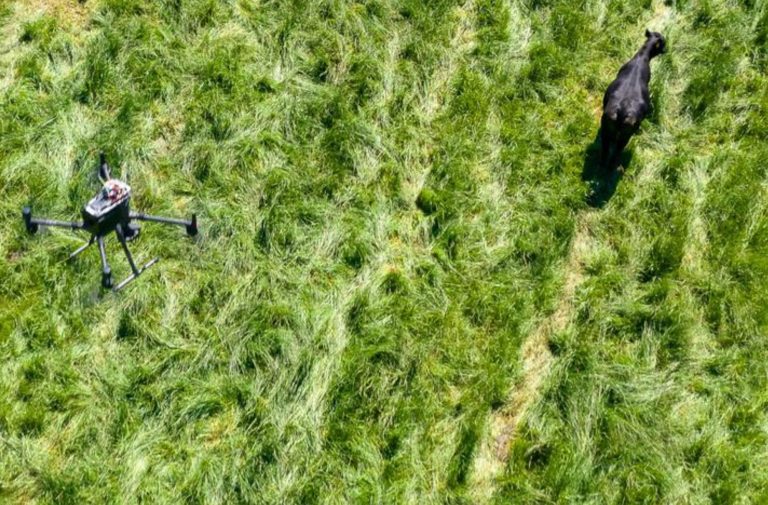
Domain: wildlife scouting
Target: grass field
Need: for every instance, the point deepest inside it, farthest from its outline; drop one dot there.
(412, 284)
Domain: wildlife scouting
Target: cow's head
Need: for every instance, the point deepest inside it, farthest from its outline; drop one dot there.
(656, 42)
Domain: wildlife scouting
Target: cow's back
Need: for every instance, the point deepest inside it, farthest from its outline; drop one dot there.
(627, 96)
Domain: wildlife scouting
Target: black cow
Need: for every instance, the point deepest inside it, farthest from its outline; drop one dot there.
(627, 101)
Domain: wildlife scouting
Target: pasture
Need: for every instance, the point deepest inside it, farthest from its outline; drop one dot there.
(413, 283)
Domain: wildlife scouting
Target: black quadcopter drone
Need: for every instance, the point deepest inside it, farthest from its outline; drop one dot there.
(109, 211)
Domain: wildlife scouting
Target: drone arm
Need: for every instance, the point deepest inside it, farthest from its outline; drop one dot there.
(61, 224)
(191, 225)
(33, 223)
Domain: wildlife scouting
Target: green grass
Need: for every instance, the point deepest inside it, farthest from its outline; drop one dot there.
(388, 191)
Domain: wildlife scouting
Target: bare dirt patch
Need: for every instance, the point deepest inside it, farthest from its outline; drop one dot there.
(71, 12)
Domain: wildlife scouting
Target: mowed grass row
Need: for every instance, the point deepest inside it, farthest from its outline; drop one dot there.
(387, 192)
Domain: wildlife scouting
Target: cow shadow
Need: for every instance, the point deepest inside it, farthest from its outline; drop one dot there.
(602, 180)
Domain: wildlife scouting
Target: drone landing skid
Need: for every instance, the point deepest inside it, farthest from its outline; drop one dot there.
(106, 271)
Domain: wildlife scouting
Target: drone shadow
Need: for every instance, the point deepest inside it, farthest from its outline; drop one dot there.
(602, 180)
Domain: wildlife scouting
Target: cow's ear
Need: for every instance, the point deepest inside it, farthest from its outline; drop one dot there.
(647, 33)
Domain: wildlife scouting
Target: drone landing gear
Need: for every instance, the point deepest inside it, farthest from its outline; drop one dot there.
(83, 247)
(136, 272)
(106, 272)
(125, 231)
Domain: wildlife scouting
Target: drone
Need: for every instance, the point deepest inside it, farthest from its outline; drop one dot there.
(106, 212)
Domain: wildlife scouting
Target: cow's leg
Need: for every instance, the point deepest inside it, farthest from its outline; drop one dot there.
(606, 139)
(621, 143)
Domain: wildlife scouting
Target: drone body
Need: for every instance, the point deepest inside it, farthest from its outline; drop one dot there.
(109, 211)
